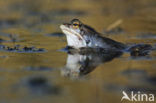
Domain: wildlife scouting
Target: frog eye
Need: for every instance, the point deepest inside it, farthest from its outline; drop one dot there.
(76, 25)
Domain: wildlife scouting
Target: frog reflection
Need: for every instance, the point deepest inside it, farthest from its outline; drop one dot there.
(81, 63)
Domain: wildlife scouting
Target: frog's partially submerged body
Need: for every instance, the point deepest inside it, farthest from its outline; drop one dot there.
(80, 35)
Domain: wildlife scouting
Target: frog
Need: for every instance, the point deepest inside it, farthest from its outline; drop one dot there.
(80, 35)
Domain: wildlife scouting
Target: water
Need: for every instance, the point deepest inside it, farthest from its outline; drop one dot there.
(55, 76)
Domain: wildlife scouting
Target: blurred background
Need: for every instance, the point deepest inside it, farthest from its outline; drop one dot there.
(36, 77)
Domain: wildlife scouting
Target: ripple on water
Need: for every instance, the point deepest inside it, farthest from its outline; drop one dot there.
(129, 88)
(40, 68)
(9, 37)
(68, 12)
(146, 36)
(137, 80)
(141, 76)
(55, 34)
(134, 72)
(8, 22)
(40, 85)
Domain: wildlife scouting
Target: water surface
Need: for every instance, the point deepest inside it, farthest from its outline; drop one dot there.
(55, 76)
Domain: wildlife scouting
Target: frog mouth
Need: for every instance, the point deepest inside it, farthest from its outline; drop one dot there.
(69, 31)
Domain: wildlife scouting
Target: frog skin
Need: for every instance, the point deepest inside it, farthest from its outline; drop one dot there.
(81, 35)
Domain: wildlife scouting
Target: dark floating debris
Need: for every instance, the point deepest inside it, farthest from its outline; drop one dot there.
(19, 49)
(56, 34)
(140, 50)
(40, 85)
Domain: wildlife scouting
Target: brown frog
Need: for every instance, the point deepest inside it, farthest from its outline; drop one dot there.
(81, 35)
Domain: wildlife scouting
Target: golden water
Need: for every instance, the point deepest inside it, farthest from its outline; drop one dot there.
(32, 20)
